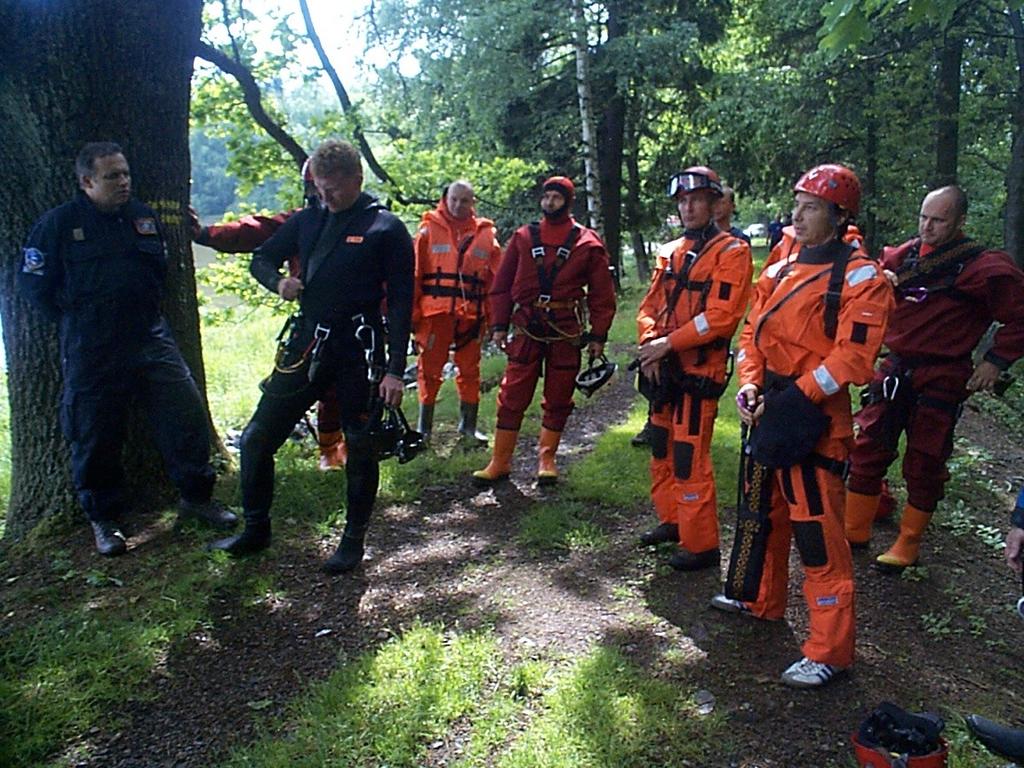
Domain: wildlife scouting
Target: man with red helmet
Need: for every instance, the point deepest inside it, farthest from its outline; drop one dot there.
(698, 294)
(246, 235)
(949, 290)
(815, 327)
(457, 255)
(552, 275)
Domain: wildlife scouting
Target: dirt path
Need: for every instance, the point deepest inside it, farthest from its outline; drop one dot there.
(946, 641)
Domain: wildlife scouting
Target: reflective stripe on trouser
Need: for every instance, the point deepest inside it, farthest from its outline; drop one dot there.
(682, 475)
(807, 505)
(560, 361)
(434, 335)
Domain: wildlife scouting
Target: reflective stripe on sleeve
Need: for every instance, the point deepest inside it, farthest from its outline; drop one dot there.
(824, 379)
(860, 274)
(441, 248)
(700, 322)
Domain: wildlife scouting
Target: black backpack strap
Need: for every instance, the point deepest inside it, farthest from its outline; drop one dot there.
(834, 292)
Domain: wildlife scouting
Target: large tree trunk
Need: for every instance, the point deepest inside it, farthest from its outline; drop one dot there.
(610, 147)
(947, 122)
(633, 217)
(72, 72)
(1013, 223)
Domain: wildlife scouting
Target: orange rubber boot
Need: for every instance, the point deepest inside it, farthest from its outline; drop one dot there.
(903, 553)
(500, 464)
(547, 470)
(333, 451)
(859, 515)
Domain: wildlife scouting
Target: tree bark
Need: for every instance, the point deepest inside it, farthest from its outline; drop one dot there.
(72, 72)
(611, 134)
(1013, 222)
(633, 216)
(947, 123)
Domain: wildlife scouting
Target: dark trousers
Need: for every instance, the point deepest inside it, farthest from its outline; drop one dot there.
(286, 397)
(94, 410)
(928, 416)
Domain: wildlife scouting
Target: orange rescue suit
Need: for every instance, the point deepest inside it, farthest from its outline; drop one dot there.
(455, 263)
(784, 334)
(699, 327)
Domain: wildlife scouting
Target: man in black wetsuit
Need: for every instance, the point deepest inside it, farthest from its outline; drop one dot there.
(353, 254)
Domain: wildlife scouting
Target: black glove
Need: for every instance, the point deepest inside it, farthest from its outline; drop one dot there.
(789, 428)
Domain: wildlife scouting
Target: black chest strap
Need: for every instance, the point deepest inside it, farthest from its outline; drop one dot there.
(545, 278)
(834, 292)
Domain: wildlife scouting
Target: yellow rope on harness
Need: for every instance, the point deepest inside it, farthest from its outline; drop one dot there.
(294, 367)
(579, 311)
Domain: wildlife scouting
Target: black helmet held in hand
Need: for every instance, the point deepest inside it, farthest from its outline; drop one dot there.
(598, 372)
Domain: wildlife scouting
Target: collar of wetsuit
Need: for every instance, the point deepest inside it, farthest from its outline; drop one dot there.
(819, 254)
(705, 233)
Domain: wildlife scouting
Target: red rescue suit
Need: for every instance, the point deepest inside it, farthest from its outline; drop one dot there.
(784, 335)
(696, 299)
(932, 334)
(549, 325)
(455, 263)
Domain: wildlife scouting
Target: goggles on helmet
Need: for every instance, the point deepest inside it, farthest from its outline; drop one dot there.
(688, 181)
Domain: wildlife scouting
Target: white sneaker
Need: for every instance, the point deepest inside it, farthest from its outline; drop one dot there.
(723, 603)
(809, 674)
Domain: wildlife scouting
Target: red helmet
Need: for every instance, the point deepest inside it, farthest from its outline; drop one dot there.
(693, 178)
(833, 182)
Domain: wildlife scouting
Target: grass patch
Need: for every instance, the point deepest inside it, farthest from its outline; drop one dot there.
(603, 711)
(60, 675)
(562, 525)
(387, 707)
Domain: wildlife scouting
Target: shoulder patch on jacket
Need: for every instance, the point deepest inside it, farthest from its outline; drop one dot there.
(34, 262)
(861, 274)
(145, 225)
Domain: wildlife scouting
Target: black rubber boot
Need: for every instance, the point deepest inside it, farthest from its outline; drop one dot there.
(998, 739)
(425, 423)
(660, 534)
(643, 437)
(211, 512)
(109, 539)
(253, 538)
(349, 554)
(468, 413)
(685, 560)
